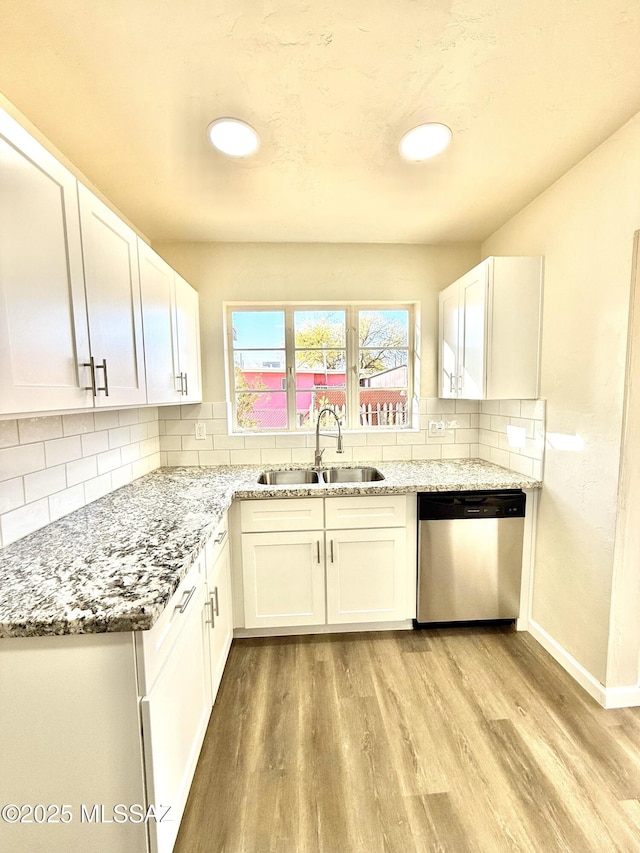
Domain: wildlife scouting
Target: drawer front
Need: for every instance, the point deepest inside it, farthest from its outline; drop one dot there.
(366, 511)
(216, 543)
(267, 516)
(154, 646)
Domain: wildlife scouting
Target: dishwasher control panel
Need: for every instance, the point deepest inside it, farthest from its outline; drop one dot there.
(440, 505)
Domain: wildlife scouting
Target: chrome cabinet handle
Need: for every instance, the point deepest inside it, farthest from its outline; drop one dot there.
(331, 549)
(213, 612)
(208, 621)
(451, 378)
(92, 368)
(188, 595)
(105, 387)
(215, 592)
(181, 388)
(186, 385)
(220, 537)
(318, 547)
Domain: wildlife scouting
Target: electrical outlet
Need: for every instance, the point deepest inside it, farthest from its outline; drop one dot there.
(436, 428)
(201, 430)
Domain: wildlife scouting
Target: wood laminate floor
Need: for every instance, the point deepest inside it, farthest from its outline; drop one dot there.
(457, 739)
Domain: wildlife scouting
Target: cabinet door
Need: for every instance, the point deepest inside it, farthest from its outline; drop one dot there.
(188, 326)
(174, 719)
(112, 283)
(472, 336)
(159, 326)
(43, 324)
(366, 576)
(283, 576)
(220, 620)
(449, 333)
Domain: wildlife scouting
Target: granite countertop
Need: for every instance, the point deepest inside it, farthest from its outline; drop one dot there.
(114, 564)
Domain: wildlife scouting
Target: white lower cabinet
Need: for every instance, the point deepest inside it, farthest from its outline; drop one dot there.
(107, 728)
(366, 576)
(176, 706)
(283, 576)
(357, 571)
(219, 606)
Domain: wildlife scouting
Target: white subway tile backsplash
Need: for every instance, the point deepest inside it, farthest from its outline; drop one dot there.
(244, 457)
(81, 470)
(396, 453)
(180, 428)
(94, 442)
(467, 406)
(171, 442)
(228, 442)
(70, 464)
(190, 442)
(76, 424)
(291, 441)
(521, 464)
(61, 450)
(455, 451)
(260, 442)
(381, 439)
(9, 433)
(108, 461)
(220, 410)
(510, 408)
(214, 457)
(62, 503)
(20, 522)
(21, 459)
(97, 488)
(279, 456)
(106, 420)
(169, 413)
(128, 417)
(43, 483)
(182, 457)
(39, 429)
(197, 412)
(119, 436)
(427, 451)
(11, 494)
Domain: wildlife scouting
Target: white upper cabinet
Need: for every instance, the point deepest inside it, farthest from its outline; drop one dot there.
(159, 322)
(171, 321)
(112, 282)
(43, 320)
(489, 341)
(188, 326)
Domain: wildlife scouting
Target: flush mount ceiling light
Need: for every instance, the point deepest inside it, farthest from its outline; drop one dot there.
(425, 141)
(233, 137)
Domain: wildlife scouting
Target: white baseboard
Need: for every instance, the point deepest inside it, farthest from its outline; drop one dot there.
(608, 697)
(246, 633)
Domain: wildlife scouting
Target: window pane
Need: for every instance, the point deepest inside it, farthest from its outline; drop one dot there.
(318, 329)
(383, 328)
(257, 329)
(383, 407)
(383, 368)
(260, 411)
(256, 360)
(309, 403)
(324, 367)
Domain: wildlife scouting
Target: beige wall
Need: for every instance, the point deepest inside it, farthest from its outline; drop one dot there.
(300, 271)
(584, 226)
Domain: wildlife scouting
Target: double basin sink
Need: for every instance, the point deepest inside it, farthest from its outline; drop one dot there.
(304, 476)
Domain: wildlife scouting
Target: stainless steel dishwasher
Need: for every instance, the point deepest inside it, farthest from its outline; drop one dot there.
(469, 555)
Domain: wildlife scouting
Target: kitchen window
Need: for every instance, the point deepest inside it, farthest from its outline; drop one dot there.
(288, 362)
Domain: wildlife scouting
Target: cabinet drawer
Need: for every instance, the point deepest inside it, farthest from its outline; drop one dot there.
(267, 516)
(366, 511)
(216, 542)
(154, 646)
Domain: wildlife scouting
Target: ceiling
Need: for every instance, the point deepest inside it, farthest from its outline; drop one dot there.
(126, 89)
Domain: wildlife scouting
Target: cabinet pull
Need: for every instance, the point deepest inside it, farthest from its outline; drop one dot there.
(92, 368)
(213, 611)
(459, 384)
(318, 551)
(331, 549)
(220, 537)
(208, 621)
(186, 385)
(451, 378)
(215, 592)
(181, 388)
(104, 387)
(188, 595)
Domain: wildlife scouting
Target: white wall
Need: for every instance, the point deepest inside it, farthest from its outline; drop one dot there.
(584, 226)
(300, 271)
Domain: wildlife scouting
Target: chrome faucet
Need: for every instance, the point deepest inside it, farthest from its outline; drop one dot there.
(317, 462)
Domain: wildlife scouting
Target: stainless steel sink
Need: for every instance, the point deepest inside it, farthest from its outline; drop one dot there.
(297, 477)
(352, 475)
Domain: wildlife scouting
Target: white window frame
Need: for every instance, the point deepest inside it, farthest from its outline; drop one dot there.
(352, 385)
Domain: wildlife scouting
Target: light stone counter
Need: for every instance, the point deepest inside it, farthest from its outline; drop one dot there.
(114, 564)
